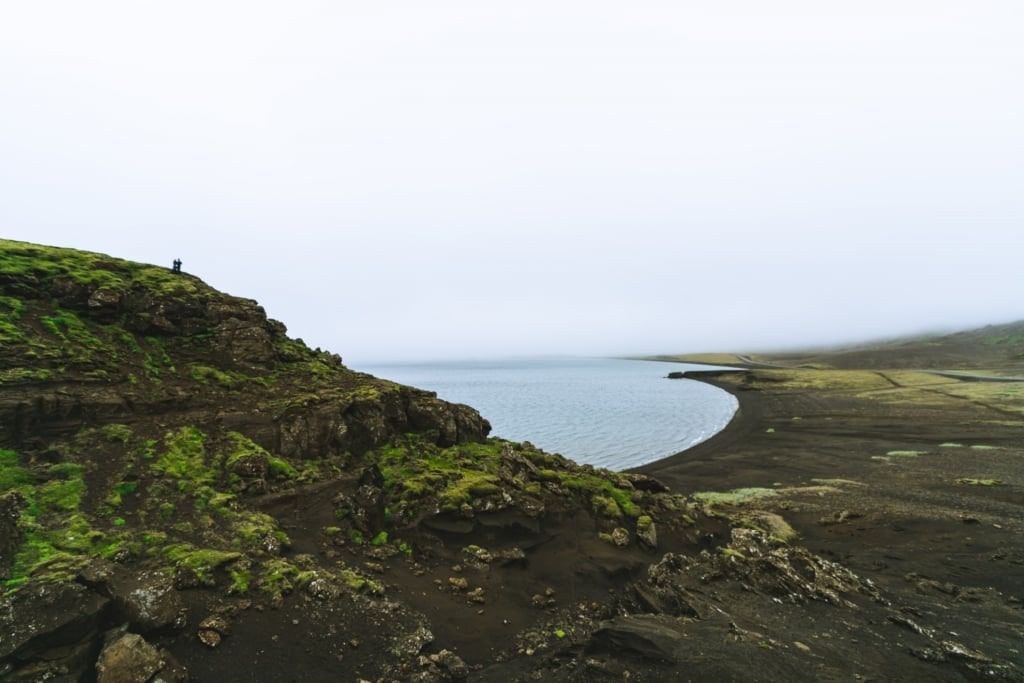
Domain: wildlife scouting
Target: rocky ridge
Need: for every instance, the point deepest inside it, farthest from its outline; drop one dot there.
(186, 493)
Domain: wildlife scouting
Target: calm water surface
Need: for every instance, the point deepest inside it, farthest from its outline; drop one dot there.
(605, 412)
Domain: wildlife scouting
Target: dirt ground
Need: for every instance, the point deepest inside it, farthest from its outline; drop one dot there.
(911, 481)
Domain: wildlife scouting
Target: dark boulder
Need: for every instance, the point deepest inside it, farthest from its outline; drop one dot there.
(645, 636)
(47, 626)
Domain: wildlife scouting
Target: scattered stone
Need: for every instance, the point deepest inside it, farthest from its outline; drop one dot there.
(451, 664)
(128, 659)
(216, 622)
(458, 582)
(510, 556)
(322, 589)
(620, 537)
(209, 638)
(476, 595)
(479, 554)
(412, 644)
(149, 601)
(646, 532)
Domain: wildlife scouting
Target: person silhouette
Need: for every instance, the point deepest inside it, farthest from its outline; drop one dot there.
(177, 265)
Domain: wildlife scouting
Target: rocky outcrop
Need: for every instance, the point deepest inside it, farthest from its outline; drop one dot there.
(146, 601)
(356, 424)
(49, 627)
(646, 636)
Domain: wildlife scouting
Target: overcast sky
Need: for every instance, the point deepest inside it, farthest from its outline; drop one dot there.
(411, 180)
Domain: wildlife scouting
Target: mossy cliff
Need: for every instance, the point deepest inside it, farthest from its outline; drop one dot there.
(157, 435)
(186, 493)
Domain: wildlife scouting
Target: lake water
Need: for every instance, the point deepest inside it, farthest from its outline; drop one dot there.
(604, 412)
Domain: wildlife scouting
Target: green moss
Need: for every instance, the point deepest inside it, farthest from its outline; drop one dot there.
(605, 506)
(14, 477)
(279, 577)
(208, 375)
(281, 469)
(733, 497)
(980, 482)
(62, 495)
(240, 581)
(730, 552)
(119, 491)
(240, 446)
(117, 432)
(250, 529)
(11, 307)
(202, 562)
(769, 523)
(465, 488)
(600, 489)
(356, 582)
(380, 539)
(155, 538)
(184, 456)
(57, 552)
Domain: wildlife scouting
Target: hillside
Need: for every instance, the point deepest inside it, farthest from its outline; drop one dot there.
(996, 349)
(186, 493)
(174, 465)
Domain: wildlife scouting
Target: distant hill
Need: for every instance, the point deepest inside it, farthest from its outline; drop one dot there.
(998, 349)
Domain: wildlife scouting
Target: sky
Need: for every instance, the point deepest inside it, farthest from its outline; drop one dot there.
(411, 181)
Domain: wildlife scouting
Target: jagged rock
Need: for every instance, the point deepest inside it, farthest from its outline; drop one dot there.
(105, 302)
(451, 665)
(209, 637)
(620, 537)
(148, 601)
(42, 618)
(412, 644)
(128, 659)
(645, 636)
(476, 554)
(216, 622)
(782, 572)
(646, 532)
(251, 465)
(322, 589)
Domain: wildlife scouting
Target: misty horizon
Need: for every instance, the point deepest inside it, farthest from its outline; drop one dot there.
(413, 182)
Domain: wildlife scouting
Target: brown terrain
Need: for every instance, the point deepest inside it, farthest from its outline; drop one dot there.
(188, 494)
